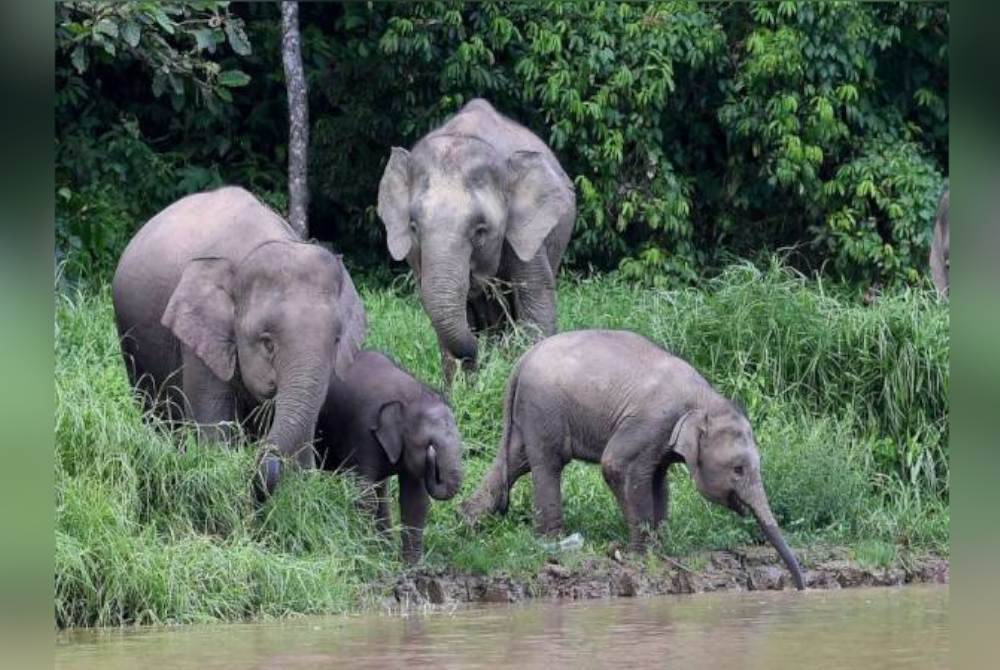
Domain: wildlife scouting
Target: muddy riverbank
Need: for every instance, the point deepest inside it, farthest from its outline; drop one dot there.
(744, 569)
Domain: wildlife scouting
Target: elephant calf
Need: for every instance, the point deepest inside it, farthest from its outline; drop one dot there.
(615, 398)
(379, 421)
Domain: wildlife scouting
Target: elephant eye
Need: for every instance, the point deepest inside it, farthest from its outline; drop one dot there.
(481, 231)
(738, 470)
(267, 343)
(413, 226)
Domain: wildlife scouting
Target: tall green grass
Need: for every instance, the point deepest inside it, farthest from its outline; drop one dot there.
(849, 404)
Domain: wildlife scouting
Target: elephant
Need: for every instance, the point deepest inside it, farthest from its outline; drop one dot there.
(221, 306)
(615, 398)
(379, 421)
(940, 257)
(477, 200)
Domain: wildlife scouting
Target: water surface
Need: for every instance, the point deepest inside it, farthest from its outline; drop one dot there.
(903, 627)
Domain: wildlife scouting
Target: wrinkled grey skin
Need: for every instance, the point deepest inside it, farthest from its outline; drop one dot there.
(379, 421)
(221, 306)
(940, 259)
(479, 198)
(615, 398)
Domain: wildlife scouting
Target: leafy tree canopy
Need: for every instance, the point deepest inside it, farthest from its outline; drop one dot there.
(693, 132)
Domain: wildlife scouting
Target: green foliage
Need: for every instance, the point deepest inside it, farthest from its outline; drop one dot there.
(848, 404)
(694, 132)
(172, 41)
(879, 205)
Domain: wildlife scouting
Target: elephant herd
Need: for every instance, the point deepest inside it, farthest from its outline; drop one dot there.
(223, 312)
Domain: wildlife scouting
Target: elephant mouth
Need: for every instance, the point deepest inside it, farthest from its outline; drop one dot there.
(734, 503)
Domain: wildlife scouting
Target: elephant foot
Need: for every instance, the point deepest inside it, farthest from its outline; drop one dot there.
(640, 542)
(267, 477)
(472, 511)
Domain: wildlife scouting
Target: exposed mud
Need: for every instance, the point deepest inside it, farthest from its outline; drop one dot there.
(748, 569)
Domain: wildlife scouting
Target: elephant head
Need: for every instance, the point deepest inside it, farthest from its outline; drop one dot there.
(721, 454)
(279, 322)
(452, 205)
(424, 436)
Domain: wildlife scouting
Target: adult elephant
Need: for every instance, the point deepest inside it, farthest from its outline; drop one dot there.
(940, 258)
(221, 306)
(479, 198)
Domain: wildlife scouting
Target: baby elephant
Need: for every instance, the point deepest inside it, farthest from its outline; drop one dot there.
(615, 398)
(379, 421)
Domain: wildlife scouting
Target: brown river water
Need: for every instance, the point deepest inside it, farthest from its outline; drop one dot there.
(871, 628)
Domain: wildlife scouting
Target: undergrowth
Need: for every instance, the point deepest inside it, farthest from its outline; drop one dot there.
(848, 403)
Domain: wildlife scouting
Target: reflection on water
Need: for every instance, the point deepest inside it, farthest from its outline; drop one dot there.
(855, 628)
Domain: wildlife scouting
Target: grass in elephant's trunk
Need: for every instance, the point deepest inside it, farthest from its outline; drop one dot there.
(146, 532)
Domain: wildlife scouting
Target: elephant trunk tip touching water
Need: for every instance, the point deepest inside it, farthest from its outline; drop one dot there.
(756, 500)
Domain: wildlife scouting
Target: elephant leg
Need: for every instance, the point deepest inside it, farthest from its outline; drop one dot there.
(542, 443)
(630, 477)
(413, 506)
(661, 496)
(475, 313)
(614, 476)
(373, 503)
(210, 402)
(383, 517)
(534, 294)
(639, 498)
(548, 500)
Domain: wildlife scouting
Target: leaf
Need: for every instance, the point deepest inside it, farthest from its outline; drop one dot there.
(79, 58)
(159, 84)
(176, 83)
(108, 27)
(131, 33)
(161, 18)
(224, 95)
(237, 38)
(204, 38)
(234, 78)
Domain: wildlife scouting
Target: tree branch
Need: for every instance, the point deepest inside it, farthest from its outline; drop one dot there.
(298, 118)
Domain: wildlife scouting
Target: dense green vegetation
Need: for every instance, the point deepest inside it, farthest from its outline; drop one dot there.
(694, 132)
(849, 404)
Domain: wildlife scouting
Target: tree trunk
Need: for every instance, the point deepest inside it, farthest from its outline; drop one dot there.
(298, 118)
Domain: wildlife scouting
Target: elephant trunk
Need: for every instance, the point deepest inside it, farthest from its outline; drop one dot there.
(444, 293)
(443, 477)
(756, 500)
(301, 391)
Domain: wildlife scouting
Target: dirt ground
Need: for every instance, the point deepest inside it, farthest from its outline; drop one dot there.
(749, 569)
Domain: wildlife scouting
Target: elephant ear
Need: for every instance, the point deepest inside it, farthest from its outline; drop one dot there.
(685, 439)
(389, 430)
(352, 315)
(201, 314)
(538, 197)
(394, 203)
